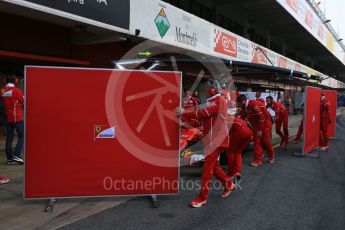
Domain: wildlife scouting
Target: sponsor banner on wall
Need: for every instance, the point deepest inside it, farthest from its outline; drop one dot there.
(259, 55)
(308, 20)
(306, 16)
(291, 65)
(298, 67)
(273, 57)
(244, 49)
(173, 26)
(170, 25)
(225, 43)
(228, 45)
(283, 62)
(330, 41)
(321, 31)
(293, 4)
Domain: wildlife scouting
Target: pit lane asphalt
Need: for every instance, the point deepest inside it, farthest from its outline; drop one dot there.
(294, 193)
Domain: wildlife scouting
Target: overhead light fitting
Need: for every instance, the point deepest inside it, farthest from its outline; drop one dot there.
(327, 21)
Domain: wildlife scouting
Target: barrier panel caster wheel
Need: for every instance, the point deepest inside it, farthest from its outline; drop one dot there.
(156, 204)
(48, 208)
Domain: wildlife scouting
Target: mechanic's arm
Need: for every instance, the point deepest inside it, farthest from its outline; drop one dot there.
(20, 96)
(211, 109)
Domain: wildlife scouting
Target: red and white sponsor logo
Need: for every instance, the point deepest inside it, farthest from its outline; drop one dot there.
(225, 43)
(293, 4)
(259, 55)
(282, 62)
(298, 67)
(320, 31)
(309, 19)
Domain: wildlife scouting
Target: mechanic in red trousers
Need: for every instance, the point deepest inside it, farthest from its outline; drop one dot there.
(282, 118)
(324, 122)
(240, 135)
(214, 117)
(259, 118)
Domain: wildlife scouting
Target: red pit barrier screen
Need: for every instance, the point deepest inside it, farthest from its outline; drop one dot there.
(98, 132)
(332, 97)
(312, 119)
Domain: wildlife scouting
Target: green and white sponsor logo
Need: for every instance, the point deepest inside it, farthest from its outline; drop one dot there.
(162, 23)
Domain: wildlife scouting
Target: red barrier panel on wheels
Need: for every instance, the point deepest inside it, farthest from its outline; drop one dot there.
(312, 119)
(98, 132)
(332, 97)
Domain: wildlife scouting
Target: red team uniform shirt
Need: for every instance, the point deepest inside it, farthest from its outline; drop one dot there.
(13, 100)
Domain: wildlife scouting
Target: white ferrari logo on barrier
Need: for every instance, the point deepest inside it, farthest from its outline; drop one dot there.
(104, 132)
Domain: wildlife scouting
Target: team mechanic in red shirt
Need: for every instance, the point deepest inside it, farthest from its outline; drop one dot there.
(216, 139)
(239, 136)
(324, 122)
(259, 118)
(13, 99)
(282, 118)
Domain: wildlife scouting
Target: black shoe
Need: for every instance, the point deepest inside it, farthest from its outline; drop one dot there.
(18, 160)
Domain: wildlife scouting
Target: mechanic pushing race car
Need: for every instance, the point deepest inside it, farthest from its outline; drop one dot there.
(216, 139)
(281, 118)
(259, 118)
(240, 135)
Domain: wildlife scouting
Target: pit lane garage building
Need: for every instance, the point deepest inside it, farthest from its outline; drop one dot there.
(269, 45)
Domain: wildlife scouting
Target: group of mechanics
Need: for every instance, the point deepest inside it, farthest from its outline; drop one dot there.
(233, 132)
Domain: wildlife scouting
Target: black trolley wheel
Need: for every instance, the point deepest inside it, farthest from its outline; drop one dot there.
(48, 208)
(156, 204)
